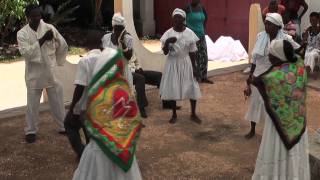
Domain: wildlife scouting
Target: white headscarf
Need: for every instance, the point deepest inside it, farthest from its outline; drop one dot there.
(180, 12)
(277, 50)
(118, 19)
(275, 18)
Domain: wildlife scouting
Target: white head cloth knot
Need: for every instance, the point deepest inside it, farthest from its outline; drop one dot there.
(277, 50)
(180, 12)
(275, 19)
(118, 20)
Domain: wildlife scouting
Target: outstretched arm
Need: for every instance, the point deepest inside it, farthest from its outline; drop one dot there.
(305, 8)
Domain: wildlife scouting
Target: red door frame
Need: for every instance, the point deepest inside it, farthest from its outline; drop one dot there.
(225, 17)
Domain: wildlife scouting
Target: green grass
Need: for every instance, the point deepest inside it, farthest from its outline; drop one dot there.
(72, 51)
(9, 59)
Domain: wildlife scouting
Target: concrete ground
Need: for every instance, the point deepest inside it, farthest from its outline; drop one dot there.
(215, 149)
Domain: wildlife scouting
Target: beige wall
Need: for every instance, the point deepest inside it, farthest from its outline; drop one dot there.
(255, 26)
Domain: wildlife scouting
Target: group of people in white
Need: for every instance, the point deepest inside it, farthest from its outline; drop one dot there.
(44, 48)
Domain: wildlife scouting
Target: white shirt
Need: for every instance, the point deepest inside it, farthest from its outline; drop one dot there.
(106, 41)
(83, 77)
(41, 61)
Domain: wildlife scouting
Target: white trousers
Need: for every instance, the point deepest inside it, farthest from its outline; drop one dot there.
(55, 97)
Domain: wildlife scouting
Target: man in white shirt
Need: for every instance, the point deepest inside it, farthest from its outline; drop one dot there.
(75, 117)
(43, 48)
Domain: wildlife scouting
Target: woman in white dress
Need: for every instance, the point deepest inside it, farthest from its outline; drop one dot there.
(312, 41)
(179, 79)
(283, 153)
(260, 64)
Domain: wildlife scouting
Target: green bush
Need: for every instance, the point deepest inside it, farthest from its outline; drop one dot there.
(10, 12)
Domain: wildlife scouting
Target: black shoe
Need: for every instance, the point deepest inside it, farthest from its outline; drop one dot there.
(169, 107)
(207, 81)
(30, 138)
(63, 132)
(250, 135)
(143, 113)
(173, 120)
(196, 119)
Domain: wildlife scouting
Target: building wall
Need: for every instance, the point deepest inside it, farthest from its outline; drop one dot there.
(314, 5)
(225, 17)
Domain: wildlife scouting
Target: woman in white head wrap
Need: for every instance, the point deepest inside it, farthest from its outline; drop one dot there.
(260, 64)
(179, 78)
(283, 153)
(122, 40)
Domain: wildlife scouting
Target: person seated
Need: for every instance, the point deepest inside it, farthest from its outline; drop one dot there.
(311, 39)
(47, 10)
(273, 7)
(136, 76)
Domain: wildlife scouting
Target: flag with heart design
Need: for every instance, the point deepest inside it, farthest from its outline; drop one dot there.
(112, 117)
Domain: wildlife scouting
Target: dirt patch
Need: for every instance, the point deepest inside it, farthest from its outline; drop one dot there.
(214, 150)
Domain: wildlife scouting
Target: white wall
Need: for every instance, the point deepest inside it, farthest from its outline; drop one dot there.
(148, 60)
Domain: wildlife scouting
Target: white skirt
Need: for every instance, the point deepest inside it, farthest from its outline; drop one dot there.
(311, 58)
(177, 81)
(256, 110)
(95, 165)
(275, 162)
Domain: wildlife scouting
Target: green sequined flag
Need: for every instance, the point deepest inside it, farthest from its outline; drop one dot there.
(283, 90)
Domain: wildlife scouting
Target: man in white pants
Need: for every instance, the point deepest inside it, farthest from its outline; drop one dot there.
(43, 48)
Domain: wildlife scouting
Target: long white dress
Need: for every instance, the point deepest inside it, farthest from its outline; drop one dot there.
(256, 110)
(94, 163)
(275, 162)
(312, 56)
(177, 82)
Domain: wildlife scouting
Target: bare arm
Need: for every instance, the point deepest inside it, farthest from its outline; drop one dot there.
(77, 94)
(165, 48)
(193, 57)
(206, 17)
(305, 9)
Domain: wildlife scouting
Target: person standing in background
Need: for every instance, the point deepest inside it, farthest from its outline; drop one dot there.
(292, 9)
(196, 21)
(273, 7)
